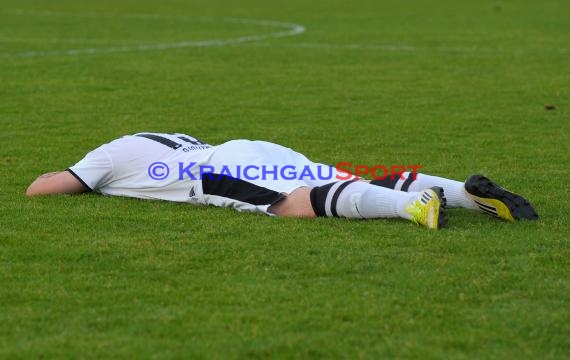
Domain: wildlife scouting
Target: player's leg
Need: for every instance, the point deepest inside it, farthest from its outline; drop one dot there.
(476, 193)
(295, 204)
(360, 200)
(454, 190)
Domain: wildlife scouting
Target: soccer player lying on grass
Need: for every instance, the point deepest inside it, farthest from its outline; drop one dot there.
(178, 167)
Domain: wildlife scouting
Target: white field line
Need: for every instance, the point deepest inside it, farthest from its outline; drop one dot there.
(403, 48)
(288, 29)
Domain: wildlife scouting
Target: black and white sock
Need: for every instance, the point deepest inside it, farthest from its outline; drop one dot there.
(359, 200)
(454, 190)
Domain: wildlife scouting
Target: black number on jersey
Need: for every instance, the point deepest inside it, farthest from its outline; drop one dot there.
(192, 141)
(170, 143)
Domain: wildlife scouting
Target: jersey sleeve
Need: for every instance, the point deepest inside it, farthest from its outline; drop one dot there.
(95, 170)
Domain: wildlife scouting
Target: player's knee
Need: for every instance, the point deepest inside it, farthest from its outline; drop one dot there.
(295, 204)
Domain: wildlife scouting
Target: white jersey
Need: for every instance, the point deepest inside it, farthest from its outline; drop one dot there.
(246, 175)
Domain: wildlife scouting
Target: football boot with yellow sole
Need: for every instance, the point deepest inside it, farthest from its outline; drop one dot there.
(498, 202)
(427, 208)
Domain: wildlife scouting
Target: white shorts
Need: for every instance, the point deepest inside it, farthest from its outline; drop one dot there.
(264, 171)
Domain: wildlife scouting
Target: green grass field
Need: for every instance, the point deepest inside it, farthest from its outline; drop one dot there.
(458, 87)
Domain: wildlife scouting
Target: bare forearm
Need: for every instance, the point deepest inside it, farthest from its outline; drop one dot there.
(58, 182)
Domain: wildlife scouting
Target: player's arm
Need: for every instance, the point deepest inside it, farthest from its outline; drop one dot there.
(60, 182)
